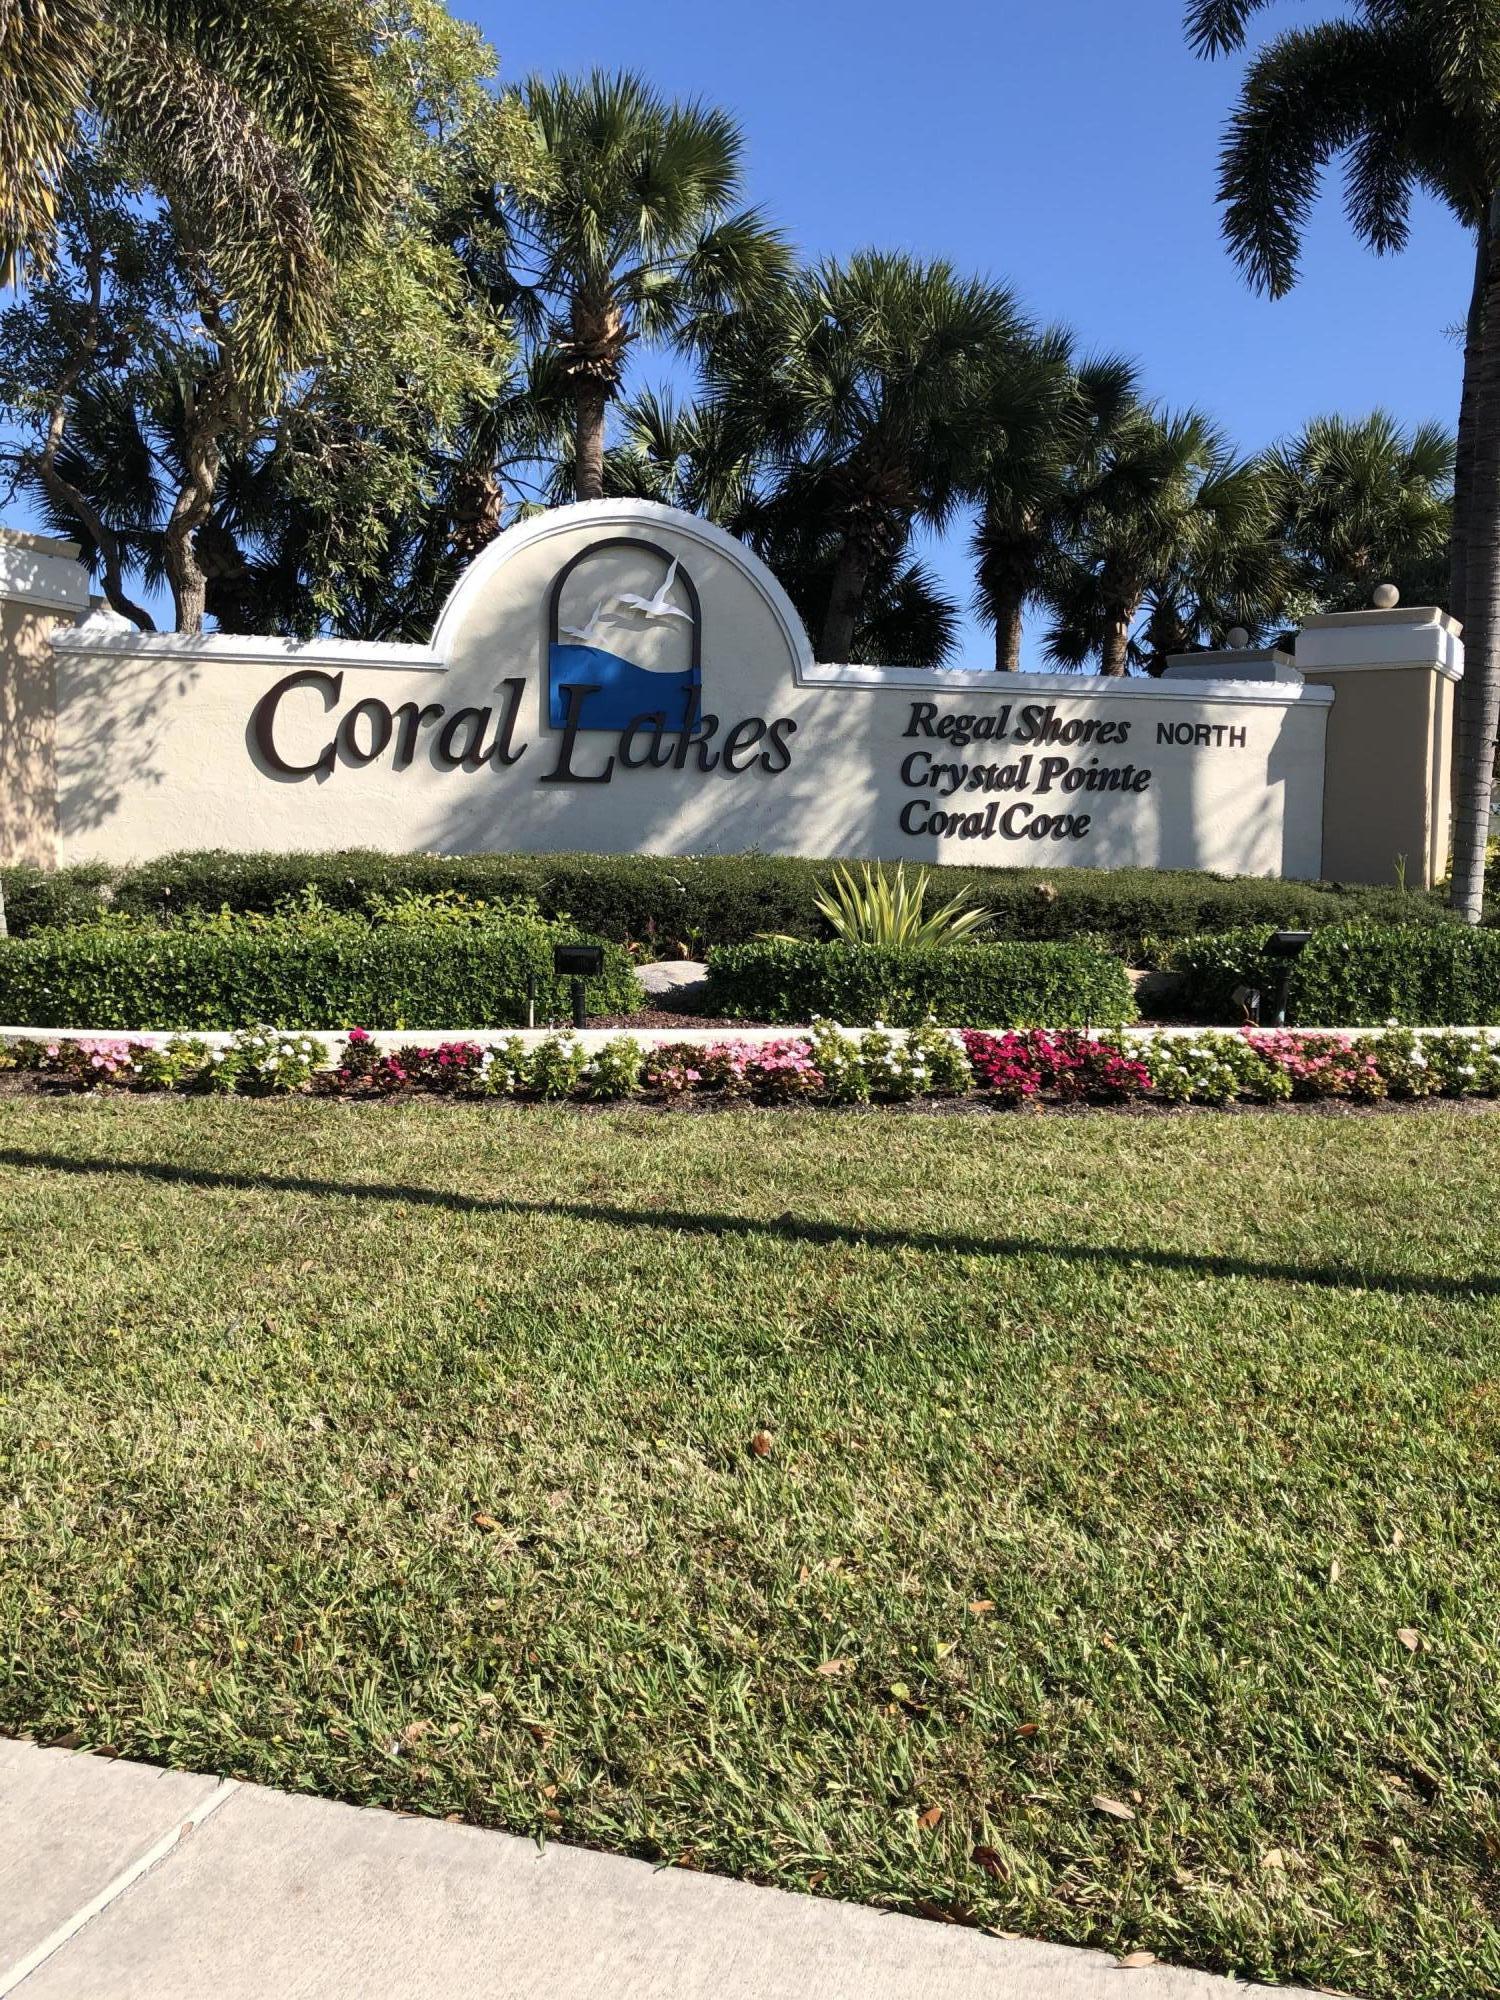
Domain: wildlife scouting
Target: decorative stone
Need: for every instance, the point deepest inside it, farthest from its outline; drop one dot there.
(675, 985)
(1385, 597)
(1239, 638)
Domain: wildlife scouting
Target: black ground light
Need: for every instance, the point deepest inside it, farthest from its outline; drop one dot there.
(578, 962)
(1285, 947)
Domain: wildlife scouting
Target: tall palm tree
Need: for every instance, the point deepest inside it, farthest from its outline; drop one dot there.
(1165, 523)
(1358, 502)
(629, 232)
(865, 379)
(1405, 91)
(1045, 417)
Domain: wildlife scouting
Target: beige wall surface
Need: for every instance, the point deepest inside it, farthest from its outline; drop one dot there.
(42, 588)
(28, 706)
(157, 745)
(1388, 781)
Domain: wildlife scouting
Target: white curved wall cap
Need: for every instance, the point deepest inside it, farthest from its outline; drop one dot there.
(1083, 687)
(242, 649)
(648, 515)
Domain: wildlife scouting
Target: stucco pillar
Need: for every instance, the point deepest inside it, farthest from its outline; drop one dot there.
(42, 586)
(1387, 780)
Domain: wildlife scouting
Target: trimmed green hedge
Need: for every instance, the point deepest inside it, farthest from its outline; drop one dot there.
(293, 972)
(667, 905)
(1353, 976)
(959, 985)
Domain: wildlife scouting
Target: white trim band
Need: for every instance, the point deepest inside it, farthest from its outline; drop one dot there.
(47, 582)
(236, 649)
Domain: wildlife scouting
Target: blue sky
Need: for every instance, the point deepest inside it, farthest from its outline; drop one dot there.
(1067, 146)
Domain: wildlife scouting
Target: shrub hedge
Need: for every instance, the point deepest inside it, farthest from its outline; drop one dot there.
(296, 972)
(963, 985)
(669, 905)
(1353, 976)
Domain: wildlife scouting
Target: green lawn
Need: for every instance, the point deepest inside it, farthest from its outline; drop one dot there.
(404, 1453)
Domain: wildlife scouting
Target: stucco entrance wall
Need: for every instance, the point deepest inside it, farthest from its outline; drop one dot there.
(463, 745)
(621, 677)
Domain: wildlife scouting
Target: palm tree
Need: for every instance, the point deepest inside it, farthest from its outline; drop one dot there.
(681, 453)
(628, 233)
(1045, 417)
(1359, 502)
(1163, 522)
(1405, 90)
(865, 381)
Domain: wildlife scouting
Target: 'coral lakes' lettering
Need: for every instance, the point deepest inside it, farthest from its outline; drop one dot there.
(473, 739)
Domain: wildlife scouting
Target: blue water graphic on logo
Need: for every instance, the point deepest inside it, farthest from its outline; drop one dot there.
(624, 689)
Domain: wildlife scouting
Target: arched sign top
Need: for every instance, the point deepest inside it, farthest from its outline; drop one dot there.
(619, 523)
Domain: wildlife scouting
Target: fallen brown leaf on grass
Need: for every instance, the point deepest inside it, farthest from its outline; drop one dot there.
(761, 1444)
(929, 1819)
(1410, 1638)
(1116, 1808)
(1136, 1960)
(981, 1607)
(832, 1667)
(486, 1522)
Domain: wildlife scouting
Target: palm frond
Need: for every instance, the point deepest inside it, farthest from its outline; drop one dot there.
(47, 53)
(1214, 27)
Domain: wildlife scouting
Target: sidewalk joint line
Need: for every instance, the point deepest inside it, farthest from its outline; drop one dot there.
(13, 1976)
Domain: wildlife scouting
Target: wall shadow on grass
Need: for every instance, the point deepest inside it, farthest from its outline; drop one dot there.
(787, 1228)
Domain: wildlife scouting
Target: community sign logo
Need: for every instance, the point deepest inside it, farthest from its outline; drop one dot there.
(625, 624)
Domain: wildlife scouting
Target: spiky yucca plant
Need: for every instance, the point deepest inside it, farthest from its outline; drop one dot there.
(890, 909)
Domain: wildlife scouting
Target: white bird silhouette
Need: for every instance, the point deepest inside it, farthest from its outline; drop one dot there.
(587, 634)
(656, 607)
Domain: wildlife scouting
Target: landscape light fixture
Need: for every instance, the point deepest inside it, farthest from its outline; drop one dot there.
(576, 963)
(1285, 947)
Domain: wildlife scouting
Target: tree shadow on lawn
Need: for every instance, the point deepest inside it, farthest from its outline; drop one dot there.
(787, 1227)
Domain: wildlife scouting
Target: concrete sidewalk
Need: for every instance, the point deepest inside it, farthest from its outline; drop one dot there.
(122, 1882)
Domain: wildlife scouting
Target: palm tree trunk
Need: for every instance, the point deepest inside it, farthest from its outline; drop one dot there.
(1008, 615)
(1463, 464)
(1115, 656)
(1479, 691)
(846, 594)
(589, 403)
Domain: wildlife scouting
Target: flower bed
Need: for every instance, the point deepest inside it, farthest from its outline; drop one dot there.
(828, 1066)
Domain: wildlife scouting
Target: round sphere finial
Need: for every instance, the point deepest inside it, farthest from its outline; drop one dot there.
(1239, 638)
(1385, 597)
